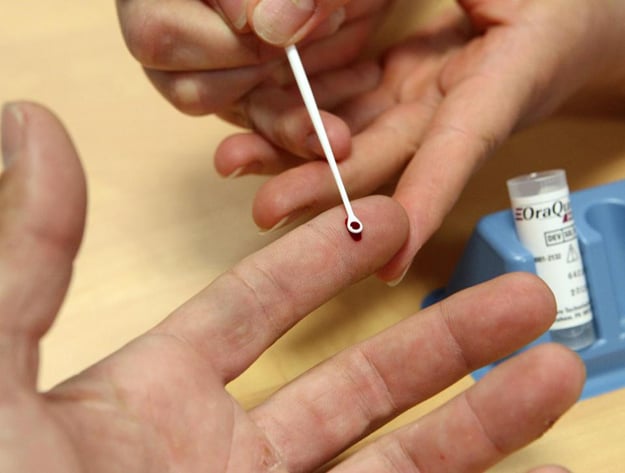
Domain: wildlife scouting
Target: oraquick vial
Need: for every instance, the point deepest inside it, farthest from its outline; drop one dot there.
(544, 223)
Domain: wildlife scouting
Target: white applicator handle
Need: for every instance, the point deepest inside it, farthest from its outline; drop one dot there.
(354, 225)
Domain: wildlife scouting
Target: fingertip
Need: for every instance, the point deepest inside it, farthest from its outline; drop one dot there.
(564, 369)
(278, 23)
(520, 399)
(234, 153)
(556, 372)
(294, 131)
(397, 281)
(12, 133)
(384, 215)
(234, 12)
(385, 228)
(394, 272)
(397, 268)
(56, 196)
(339, 136)
(302, 187)
(532, 295)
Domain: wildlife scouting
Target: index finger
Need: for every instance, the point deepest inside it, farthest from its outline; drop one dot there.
(187, 35)
(246, 309)
(478, 111)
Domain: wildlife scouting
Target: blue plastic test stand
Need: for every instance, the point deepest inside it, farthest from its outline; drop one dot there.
(599, 212)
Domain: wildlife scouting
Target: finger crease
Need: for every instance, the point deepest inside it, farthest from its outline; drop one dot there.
(456, 346)
(261, 296)
(486, 142)
(482, 428)
(379, 388)
(399, 459)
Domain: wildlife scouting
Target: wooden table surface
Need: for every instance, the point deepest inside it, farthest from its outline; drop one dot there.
(162, 224)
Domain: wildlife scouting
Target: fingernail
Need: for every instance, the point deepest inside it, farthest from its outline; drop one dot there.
(277, 226)
(285, 221)
(255, 167)
(236, 173)
(396, 282)
(12, 133)
(313, 144)
(276, 21)
(331, 25)
(335, 20)
(236, 12)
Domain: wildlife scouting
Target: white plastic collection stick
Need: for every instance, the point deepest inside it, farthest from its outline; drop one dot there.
(353, 224)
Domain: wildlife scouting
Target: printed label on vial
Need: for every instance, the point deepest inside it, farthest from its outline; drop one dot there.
(545, 226)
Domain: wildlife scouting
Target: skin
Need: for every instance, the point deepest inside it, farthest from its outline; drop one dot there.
(159, 403)
(424, 117)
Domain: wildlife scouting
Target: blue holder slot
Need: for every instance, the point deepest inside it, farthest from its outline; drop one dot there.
(494, 249)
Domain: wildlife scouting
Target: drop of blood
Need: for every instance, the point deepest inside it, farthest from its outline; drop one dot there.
(355, 236)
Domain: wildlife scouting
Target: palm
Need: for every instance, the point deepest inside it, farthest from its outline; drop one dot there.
(153, 403)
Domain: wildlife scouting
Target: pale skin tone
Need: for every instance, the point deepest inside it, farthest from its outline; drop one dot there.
(436, 106)
(159, 404)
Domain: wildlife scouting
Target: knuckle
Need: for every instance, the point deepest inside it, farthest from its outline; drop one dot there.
(186, 95)
(149, 36)
(454, 342)
(397, 457)
(262, 290)
(185, 92)
(371, 390)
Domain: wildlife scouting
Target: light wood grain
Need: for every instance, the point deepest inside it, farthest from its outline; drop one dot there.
(162, 224)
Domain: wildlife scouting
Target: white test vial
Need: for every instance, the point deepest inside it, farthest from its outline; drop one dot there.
(544, 223)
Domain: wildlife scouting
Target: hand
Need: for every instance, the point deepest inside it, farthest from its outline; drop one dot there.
(159, 404)
(447, 99)
(206, 56)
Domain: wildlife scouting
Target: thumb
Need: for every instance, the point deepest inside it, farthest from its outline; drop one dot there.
(42, 215)
(283, 22)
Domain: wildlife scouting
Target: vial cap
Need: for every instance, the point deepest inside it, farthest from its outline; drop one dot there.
(537, 183)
